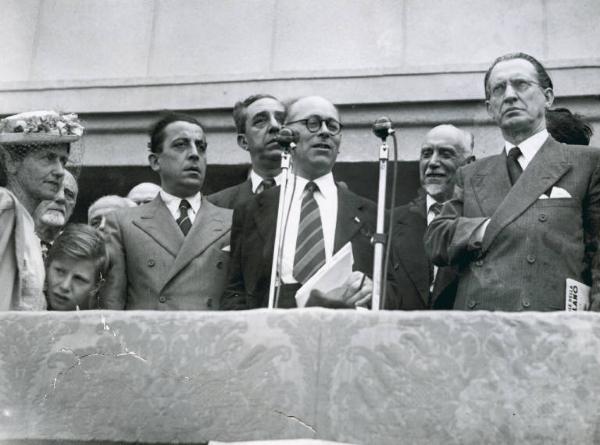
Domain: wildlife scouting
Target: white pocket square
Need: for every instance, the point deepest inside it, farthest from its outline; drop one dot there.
(558, 192)
(226, 248)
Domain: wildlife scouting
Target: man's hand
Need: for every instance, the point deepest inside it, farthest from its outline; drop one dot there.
(356, 291)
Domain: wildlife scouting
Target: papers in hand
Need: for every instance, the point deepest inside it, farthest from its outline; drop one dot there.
(577, 297)
(330, 276)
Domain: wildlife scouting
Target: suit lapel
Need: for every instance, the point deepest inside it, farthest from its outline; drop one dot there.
(208, 226)
(545, 169)
(411, 227)
(158, 223)
(349, 218)
(491, 184)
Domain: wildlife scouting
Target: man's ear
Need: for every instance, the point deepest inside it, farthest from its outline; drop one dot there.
(469, 159)
(489, 110)
(242, 141)
(153, 161)
(549, 94)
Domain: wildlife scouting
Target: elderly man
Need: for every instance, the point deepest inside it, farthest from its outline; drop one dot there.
(104, 205)
(524, 221)
(172, 253)
(143, 192)
(34, 148)
(416, 283)
(322, 218)
(51, 215)
(257, 118)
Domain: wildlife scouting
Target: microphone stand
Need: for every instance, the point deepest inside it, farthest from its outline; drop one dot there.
(379, 236)
(275, 282)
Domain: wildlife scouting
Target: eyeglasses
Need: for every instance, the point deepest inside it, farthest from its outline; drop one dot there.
(519, 85)
(314, 124)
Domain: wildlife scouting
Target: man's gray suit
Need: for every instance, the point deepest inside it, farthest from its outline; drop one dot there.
(154, 267)
(531, 245)
(233, 196)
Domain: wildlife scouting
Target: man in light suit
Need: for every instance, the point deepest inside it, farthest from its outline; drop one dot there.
(415, 283)
(171, 253)
(523, 221)
(257, 118)
(337, 217)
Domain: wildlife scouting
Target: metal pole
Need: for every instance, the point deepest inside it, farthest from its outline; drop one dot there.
(379, 237)
(278, 246)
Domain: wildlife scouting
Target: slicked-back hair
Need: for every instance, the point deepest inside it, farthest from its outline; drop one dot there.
(157, 132)
(567, 127)
(542, 75)
(239, 110)
(81, 242)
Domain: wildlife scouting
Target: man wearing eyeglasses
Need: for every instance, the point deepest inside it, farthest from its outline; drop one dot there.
(524, 221)
(321, 218)
(257, 118)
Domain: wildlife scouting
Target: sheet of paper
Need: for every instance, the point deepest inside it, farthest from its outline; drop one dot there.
(577, 297)
(331, 275)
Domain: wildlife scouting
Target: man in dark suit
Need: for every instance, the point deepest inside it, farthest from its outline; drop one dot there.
(257, 118)
(171, 253)
(523, 221)
(322, 218)
(415, 282)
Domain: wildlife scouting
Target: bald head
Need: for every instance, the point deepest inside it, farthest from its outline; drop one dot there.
(444, 149)
(143, 193)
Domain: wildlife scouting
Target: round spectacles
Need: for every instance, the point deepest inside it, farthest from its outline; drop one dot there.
(314, 124)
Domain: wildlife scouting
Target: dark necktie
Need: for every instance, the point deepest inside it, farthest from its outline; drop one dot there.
(514, 168)
(265, 184)
(183, 221)
(436, 208)
(310, 244)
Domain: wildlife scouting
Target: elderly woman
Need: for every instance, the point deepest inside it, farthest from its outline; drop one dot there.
(77, 263)
(34, 148)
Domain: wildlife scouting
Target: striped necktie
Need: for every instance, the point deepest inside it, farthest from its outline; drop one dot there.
(512, 163)
(310, 244)
(183, 221)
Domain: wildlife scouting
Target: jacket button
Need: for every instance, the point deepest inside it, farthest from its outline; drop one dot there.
(530, 259)
(220, 265)
(151, 263)
(526, 302)
(543, 217)
(209, 303)
(471, 304)
(479, 263)
(162, 299)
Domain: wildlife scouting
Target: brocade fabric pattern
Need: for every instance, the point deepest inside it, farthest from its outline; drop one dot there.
(347, 376)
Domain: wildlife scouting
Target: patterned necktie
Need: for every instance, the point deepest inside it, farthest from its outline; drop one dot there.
(183, 221)
(265, 184)
(436, 208)
(310, 244)
(514, 168)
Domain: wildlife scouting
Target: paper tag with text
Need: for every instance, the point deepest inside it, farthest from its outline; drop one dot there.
(577, 297)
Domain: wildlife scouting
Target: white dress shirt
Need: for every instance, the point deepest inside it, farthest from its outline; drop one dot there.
(173, 202)
(529, 147)
(327, 200)
(256, 180)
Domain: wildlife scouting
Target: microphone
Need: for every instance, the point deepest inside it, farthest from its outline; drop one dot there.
(286, 137)
(383, 127)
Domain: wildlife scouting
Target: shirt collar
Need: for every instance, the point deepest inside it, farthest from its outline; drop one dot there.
(326, 185)
(172, 202)
(256, 179)
(530, 146)
(429, 201)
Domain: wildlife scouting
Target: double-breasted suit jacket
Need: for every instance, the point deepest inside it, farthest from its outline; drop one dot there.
(153, 266)
(410, 271)
(533, 241)
(233, 196)
(253, 238)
